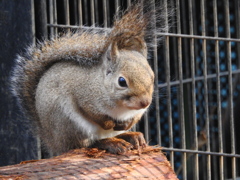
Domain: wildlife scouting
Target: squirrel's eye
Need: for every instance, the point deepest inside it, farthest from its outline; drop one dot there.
(122, 82)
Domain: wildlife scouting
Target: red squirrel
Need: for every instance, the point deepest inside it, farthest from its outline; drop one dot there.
(88, 88)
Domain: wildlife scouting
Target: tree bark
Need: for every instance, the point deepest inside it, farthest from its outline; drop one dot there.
(149, 163)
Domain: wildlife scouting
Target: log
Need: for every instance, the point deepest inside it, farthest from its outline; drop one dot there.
(149, 163)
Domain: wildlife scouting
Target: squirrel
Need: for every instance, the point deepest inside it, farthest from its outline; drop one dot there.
(88, 88)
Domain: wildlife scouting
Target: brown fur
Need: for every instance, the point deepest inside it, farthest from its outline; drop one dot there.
(75, 76)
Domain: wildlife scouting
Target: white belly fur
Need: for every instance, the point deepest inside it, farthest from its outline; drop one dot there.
(92, 130)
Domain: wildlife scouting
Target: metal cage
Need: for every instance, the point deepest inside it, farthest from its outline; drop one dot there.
(194, 115)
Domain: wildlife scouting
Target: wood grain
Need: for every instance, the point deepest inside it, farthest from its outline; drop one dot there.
(150, 163)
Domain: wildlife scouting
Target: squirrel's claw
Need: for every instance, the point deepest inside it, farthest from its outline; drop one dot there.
(122, 143)
(135, 138)
(113, 145)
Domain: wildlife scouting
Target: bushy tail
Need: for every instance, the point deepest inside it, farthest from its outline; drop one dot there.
(84, 48)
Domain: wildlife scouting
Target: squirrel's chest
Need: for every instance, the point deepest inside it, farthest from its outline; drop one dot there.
(92, 130)
(102, 134)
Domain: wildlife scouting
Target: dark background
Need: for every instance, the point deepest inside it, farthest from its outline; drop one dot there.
(16, 32)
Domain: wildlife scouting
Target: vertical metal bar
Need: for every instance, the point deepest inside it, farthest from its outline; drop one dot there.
(168, 76)
(230, 83)
(219, 112)
(146, 119)
(38, 141)
(117, 8)
(33, 19)
(40, 9)
(156, 89)
(146, 127)
(66, 13)
(96, 12)
(92, 13)
(80, 14)
(116, 5)
(195, 138)
(55, 16)
(204, 49)
(51, 17)
(151, 6)
(173, 42)
(181, 95)
(129, 3)
(105, 22)
(237, 14)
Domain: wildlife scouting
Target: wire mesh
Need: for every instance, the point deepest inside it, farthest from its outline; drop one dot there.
(196, 99)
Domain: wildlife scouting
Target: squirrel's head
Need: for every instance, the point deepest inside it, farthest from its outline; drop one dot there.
(128, 78)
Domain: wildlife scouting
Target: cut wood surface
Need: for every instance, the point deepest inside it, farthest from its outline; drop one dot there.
(151, 163)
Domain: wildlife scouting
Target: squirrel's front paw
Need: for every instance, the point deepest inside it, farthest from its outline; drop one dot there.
(122, 143)
(135, 138)
(113, 145)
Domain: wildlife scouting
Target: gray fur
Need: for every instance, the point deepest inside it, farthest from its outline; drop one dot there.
(69, 88)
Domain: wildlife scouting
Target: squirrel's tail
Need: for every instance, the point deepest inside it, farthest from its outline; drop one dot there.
(85, 48)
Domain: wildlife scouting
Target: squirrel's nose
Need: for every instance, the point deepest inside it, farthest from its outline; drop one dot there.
(138, 103)
(144, 103)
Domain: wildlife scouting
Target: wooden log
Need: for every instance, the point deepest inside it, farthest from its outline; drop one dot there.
(151, 163)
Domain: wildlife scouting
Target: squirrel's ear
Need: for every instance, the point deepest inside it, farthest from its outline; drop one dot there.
(134, 44)
(114, 50)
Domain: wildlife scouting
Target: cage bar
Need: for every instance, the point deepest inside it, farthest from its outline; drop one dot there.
(66, 13)
(92, 13)
(96, 14)
(207, 123)
(80, 16)
(168, 76)
(105, 22)
(193, 87)
(181, 95)
(53, 17)
(116, 5)
(129, 3)
(230, 81)
(156, 88)
(218, 88)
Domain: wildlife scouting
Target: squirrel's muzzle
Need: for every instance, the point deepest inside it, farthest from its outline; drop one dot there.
(144, 103)
(137, 103)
